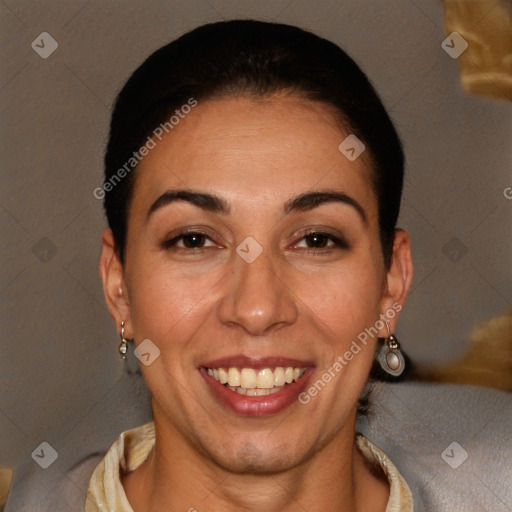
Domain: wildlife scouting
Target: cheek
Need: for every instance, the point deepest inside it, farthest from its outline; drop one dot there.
(166, 303)
(342, 305)
(170, 309)
(345, 298)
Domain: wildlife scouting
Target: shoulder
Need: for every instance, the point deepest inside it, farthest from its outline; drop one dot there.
(53, 489)
(60, 488)
(63, 485)
(450, 442)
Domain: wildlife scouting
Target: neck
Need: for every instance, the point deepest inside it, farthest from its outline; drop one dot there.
(176, 476)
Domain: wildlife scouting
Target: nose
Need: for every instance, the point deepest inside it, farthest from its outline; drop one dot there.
(257, 298)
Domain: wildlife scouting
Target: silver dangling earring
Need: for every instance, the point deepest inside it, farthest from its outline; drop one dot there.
(123, 346)
(390, 357)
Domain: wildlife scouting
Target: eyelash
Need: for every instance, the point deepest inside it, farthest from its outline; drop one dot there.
(169, 244)
(339, 243)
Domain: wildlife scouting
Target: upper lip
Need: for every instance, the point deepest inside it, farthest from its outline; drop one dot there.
(241, 361)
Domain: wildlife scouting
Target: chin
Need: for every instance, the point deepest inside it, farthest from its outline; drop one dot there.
(253, 459)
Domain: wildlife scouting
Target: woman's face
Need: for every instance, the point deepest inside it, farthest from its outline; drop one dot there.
(253, 244)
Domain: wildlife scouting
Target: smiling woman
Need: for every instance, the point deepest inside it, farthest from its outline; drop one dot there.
(249, 250)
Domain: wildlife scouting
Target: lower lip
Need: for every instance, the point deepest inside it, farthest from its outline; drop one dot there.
(264, 405)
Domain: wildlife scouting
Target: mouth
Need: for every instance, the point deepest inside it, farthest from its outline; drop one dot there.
(251, 382)
(256, 387)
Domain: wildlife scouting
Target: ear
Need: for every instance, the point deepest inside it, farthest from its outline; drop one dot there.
(114, 286)
(398, 281)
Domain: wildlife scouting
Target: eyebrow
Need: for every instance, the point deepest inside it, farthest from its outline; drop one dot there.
(215, 204)
(310, 200)
(207, 202)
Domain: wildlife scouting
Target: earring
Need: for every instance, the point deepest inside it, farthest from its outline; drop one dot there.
(390, 357)
(123, 346)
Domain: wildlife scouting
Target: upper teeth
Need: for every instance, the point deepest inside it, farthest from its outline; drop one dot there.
(249, 378)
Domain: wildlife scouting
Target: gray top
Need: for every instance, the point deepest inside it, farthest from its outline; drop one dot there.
(452, 444)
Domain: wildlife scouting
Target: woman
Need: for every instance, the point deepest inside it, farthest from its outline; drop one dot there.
(253, 183)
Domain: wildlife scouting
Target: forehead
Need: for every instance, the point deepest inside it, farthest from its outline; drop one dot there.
(250, 149)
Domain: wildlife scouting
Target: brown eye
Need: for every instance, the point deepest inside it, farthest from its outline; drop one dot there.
(317, 240)
(190, 240)
(193, 240)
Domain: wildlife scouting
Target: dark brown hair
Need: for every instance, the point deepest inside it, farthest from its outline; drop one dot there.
(246, 57)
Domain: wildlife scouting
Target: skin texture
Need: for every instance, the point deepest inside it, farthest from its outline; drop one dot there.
(295, 300)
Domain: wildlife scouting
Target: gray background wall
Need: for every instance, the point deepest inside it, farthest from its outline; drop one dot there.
(59, 371)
